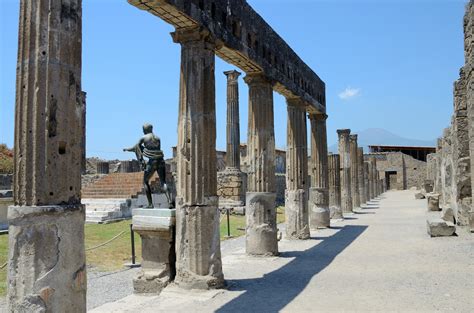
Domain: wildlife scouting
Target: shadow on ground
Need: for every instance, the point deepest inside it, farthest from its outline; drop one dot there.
(275, 290)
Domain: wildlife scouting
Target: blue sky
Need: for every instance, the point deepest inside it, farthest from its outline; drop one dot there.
(386, 64)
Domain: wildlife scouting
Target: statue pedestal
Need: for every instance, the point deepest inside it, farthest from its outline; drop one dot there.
(156, 228)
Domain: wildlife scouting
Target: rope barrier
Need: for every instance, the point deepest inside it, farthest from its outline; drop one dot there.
(107, 242)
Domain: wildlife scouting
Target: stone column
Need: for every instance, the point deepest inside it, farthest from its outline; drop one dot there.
(231, 180)
(371, 179)
(354, 171)
(261, 231)
(360, 175)
(83, 134)
(334, 166)
(319, 214)
(233, 121)
(344, 147)
(198, 256)
(46, 264)
(296, 194)
(367, 181)
(375, 174)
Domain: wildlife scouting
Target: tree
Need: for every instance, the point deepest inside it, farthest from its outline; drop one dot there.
(6, 160)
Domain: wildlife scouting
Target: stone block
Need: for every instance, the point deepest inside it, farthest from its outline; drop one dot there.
(419, 196)
(438, 227)
(319, 213)
(296, 212)
(156, 228)
(433, 201)
(261, 232)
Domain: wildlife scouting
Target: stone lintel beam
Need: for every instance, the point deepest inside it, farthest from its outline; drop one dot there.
(261, 232)
(334, 166)
(354, 155)
(198, 257)
(246, 41)
(296, 198)
(319, 213)
(233, 121)
(345, 159)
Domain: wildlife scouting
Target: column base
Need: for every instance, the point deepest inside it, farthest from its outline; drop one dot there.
(296, 212)
(157, 231)
(319, 213)
(261, 231)
(198, 252)
(336, 213)
(46, 266)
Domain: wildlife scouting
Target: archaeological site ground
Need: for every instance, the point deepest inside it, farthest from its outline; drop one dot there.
(332, 220)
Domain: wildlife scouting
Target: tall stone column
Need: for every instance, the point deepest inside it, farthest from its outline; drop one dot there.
(370, 180)
(354, 171)
(334, 166)
(198, 256)
(319, 214)
(366, 181)
(231, 179)
(344, 154)
(261, 231)
(296, 197)
(374, 178)
(83, 135)
(46, 263)
(233, 121)
(360, 175)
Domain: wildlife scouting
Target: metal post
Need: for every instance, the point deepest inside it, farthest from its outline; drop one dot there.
(228, 222)
(132, 238)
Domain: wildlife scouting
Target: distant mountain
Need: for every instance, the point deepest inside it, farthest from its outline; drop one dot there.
(382, 137)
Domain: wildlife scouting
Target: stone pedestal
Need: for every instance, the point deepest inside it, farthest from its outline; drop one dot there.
(47, 270)
(261, 231)
(319, 213)
(156, 228)
(354, 156)
(335, 186)
(198, 256)
(344, 147)
(296, 197)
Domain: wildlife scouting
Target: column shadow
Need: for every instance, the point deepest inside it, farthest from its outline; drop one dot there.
(275, 290)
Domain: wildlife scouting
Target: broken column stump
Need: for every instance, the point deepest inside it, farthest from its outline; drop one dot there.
(433, 202)
(438, 227)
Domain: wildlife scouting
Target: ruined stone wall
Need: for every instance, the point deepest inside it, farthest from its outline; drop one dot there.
(410, 171)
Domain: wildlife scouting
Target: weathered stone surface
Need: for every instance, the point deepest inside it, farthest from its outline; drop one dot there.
(345, 161)
(354, 155)
(156, 228)
(102, 167)
(433, 201)
(438, 227)
(233, 121)
(367, 174)
(319, 212)
(261, 232)
(360, 175)
(334, 166)
(296, 195)
(198, 258)
(46, 270)
(231, 188)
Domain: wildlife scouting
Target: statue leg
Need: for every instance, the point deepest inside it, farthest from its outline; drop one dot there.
(162, 175)
(149, 170)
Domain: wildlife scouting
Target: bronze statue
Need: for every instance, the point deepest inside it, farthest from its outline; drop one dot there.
(149, 146)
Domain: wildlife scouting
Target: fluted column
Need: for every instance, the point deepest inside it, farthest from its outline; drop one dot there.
(296, 195)
(261, 231)
(233, 120)
(360, 173)
(334, 166)
(367, 181)
(354, 171)
(46, 265)
(198, 257)
(344, 147)
(373, 178)
(319, 214)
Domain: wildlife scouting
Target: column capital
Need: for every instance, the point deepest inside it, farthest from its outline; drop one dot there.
(193, 34)
(353, 137)
(257, 79)
(295, 102)
(318, 116)
(232, 76)
(342, 132)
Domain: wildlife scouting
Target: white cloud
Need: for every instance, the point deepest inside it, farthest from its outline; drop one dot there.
(349, 93)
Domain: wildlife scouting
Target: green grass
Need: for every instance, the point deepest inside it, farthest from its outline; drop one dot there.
(112, 256)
